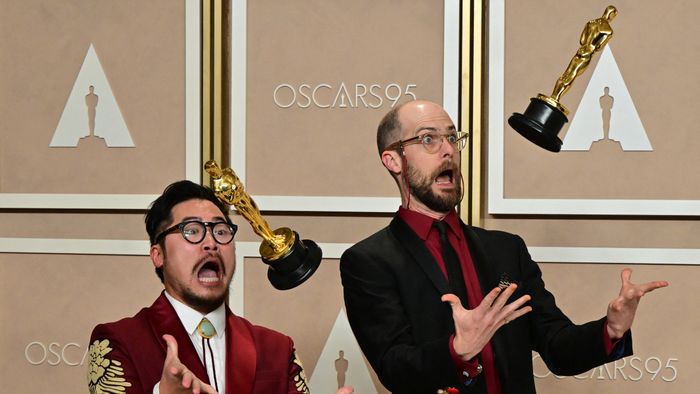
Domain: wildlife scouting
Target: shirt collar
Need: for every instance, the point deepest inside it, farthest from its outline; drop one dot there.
(190, 318)
(422, 224)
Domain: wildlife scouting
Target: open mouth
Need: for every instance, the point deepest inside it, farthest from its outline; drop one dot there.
(210, 271)
(445, 177)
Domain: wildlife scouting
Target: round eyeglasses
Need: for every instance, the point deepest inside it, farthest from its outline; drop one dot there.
(432, 141)
(194, 231)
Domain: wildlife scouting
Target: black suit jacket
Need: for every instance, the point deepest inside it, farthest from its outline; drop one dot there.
(392, 287)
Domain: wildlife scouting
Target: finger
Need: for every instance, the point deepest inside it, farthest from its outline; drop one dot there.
(504, 296)
(517, 313)
(651, 286)
(453, 300)
(200, 387)
(626, 275)
(518, 303)
(490, 298)
(177, 370)
(171, 344)
(196, 386)
(506, 312)
(187, 378)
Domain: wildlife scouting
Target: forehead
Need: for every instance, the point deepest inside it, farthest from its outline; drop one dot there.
(197, 208)
(418, 116)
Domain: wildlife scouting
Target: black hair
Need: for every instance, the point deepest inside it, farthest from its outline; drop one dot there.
(159, 214)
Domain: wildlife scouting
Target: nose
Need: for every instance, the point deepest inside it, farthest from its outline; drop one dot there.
(447, 149)
(209, 243)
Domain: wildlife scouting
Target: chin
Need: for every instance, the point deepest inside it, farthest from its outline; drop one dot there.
(209, 301)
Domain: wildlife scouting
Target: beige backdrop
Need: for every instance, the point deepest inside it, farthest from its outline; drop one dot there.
(653, 56)
(318, 150)
(651, 50)
(140, 46)
(50, 301)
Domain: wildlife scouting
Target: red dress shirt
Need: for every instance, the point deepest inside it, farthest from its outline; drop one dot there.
(422, 225)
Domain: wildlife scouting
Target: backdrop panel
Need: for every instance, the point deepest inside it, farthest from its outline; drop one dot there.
(92, 87)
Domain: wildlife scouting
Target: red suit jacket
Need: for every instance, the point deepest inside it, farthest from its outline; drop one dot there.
(127, 356)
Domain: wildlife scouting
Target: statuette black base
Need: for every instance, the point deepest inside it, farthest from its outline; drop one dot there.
(296, 267)
(540, 124)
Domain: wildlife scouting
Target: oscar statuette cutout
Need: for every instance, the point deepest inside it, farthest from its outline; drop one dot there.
(291, 260)
(545, 116)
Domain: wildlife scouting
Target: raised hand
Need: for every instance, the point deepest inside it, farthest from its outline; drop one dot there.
(176, 378)
(475, 327)
(622, 309)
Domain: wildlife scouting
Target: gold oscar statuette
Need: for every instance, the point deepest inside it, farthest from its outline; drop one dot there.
(545, 116)
(291, 260)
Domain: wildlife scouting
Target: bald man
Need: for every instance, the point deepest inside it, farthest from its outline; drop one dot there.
(437, 304)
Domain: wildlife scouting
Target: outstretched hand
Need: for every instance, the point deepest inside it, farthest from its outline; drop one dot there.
(622, 309)
(176, 378)
(474, 328)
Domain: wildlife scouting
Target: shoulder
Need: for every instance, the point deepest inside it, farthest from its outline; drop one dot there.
(372, 250)
(126, 336)
(377, 242)
(496, 243)
(126, 326)
(370, 243)
(125, 353)
(489, 235)
(264, 335)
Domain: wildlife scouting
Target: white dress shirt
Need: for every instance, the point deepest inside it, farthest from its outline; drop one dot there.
(190, 319)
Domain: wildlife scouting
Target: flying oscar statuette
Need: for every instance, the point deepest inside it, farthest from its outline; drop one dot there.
(291, 260)
(545, 116)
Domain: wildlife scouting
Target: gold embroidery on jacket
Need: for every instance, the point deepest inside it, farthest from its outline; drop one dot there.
(300, 377)
(105, 376)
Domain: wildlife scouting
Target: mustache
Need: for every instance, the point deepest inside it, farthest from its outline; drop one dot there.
(446, 166)
(208, 258)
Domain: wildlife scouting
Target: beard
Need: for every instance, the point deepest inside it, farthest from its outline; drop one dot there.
(420, 186)
(191, 298)
(203, 303)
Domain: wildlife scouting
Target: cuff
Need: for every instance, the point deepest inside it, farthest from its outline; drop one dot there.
(609, 343)
(468, 370)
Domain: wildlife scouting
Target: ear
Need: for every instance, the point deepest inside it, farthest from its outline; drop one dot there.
(157, 256)
(393, 161)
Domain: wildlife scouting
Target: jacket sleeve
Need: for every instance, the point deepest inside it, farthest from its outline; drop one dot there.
(297, 378)
(566, 348)
(110, 369)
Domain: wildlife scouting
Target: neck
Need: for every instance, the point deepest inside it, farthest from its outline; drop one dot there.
(417, 205)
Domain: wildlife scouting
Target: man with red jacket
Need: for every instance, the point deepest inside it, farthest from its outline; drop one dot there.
(189, 341)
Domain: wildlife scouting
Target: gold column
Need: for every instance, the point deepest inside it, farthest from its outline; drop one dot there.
(471, 107)
(215, 82)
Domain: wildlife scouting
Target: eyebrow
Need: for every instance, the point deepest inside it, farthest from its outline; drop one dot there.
(434, 129)
(215, 218)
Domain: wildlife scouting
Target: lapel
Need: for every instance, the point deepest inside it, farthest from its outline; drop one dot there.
(416, 248)
(241, 357)
(485, 271)
(164, 320)
(488, 279)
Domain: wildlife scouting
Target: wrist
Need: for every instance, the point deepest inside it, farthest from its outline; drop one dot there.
(615, 333)
(462, 350)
